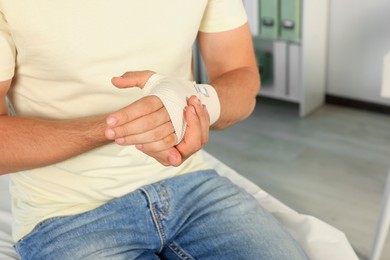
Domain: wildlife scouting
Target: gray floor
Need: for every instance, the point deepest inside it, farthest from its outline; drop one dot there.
(332, 164)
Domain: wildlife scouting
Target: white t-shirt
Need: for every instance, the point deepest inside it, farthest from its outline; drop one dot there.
(63, 55)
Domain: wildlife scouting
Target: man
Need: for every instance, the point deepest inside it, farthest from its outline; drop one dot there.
(112, 172)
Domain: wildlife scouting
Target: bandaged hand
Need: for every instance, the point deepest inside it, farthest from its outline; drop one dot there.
(174, 94)
(147, 124)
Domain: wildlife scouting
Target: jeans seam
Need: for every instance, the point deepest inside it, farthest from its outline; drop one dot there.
(179, 251)
(157, 221)
(165, 197)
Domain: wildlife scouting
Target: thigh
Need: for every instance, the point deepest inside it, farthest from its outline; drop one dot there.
(222, 221)
(121, 229)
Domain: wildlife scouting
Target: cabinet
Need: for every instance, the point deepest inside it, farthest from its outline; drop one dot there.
(290, 40)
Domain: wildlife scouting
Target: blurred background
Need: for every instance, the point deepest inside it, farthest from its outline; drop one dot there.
(319, 138)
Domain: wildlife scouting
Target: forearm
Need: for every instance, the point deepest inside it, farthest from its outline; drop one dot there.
(27, 143)
(237, 91)
(232, 70)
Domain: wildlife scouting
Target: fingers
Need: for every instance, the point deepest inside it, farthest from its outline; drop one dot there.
(197, 133)
(143, 122)
(170, 157)
(132, 79)
(138, 109)
(203, 117)
(146, 124)
(153, 126)
(160, 138)
(196, 136)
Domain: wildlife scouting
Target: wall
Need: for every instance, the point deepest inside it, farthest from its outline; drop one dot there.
(359, 38)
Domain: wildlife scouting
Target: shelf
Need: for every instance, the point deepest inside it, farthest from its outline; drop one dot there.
(296, 61)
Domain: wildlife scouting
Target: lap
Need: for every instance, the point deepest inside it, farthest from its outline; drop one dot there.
(195, 216)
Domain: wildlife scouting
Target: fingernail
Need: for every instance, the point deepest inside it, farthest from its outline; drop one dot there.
(120, 140)
(139, 146)
(197, 101)
(111, 121)
(110, 133)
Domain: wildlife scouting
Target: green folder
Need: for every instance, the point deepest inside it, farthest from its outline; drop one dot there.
(290, 20)
(264, 62)
(269, 19)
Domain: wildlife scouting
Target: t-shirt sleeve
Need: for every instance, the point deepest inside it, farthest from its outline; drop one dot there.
(223, 15)
(7, 51)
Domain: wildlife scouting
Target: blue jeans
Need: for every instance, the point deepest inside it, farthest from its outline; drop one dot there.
(199, 215)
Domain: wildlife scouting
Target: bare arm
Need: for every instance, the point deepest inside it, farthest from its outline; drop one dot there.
(27, 143)
(232, 71)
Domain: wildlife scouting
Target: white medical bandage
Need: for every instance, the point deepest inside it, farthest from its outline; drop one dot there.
(174, 94)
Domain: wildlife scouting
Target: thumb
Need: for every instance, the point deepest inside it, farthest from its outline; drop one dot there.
(175, 158)
(132, 79)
